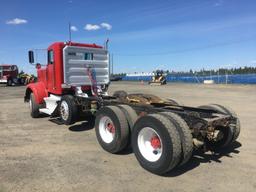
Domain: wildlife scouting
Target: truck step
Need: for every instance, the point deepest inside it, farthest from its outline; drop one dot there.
(56, 121)
(51, 104)
(46, 111)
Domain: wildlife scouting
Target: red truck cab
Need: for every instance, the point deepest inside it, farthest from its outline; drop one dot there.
(73, 69)
(52, 74)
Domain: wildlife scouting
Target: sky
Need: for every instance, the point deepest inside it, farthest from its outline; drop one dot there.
(143, 35)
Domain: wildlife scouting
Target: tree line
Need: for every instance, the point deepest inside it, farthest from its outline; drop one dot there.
(220, 71)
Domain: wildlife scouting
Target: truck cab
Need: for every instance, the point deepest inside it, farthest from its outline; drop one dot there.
(76, 72)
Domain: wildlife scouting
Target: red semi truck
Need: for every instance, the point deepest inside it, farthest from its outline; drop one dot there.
(9, 74)
(162, 133)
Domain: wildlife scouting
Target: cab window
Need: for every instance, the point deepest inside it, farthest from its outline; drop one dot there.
(50, 57)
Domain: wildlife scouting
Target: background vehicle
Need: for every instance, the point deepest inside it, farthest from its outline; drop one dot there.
(115, 78)
(162, 133)
(25, 78)
(158, 79)
(9, 75)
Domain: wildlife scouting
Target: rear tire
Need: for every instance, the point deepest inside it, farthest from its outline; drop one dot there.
(34, 107)
(130, 114)
(68, 110)
(156, 143)
(236, 124)
(231, 133)
(131, 117)
(112, 129)
(185, 135)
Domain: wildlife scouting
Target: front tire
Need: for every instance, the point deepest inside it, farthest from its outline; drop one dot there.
(34, 107)
(156, 143)
(68, 110)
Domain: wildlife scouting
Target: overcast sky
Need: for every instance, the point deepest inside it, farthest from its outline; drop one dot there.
(144, 35)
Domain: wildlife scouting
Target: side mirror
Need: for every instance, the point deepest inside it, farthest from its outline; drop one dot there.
(31, 56)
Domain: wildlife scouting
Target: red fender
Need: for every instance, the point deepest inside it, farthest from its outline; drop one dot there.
(39, 91)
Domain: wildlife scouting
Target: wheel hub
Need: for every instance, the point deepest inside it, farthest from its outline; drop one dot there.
(155, 142)
(64, 111)
(111, 128)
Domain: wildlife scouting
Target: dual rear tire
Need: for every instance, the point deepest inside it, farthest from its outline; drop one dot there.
(156, 143)
(160, 142)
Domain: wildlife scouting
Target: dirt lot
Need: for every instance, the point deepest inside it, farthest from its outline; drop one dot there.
(39, 155)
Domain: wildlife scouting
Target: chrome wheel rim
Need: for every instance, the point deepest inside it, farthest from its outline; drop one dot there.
(64, 110)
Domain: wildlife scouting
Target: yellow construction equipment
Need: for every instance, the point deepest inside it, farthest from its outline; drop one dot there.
(158, 79)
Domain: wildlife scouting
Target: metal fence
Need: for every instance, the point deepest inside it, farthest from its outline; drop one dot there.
(236, 79)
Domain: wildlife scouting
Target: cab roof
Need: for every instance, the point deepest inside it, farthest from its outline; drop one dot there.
(63, 44)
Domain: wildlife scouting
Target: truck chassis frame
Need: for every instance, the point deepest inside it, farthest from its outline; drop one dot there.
(207, 125)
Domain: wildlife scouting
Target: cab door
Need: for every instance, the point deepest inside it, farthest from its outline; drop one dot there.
(1, 72)
(50, 71)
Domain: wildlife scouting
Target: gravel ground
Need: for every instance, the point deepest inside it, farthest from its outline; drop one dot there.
(39, 155)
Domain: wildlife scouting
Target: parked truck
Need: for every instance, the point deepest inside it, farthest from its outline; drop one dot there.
(163, 134)
(9, 75)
